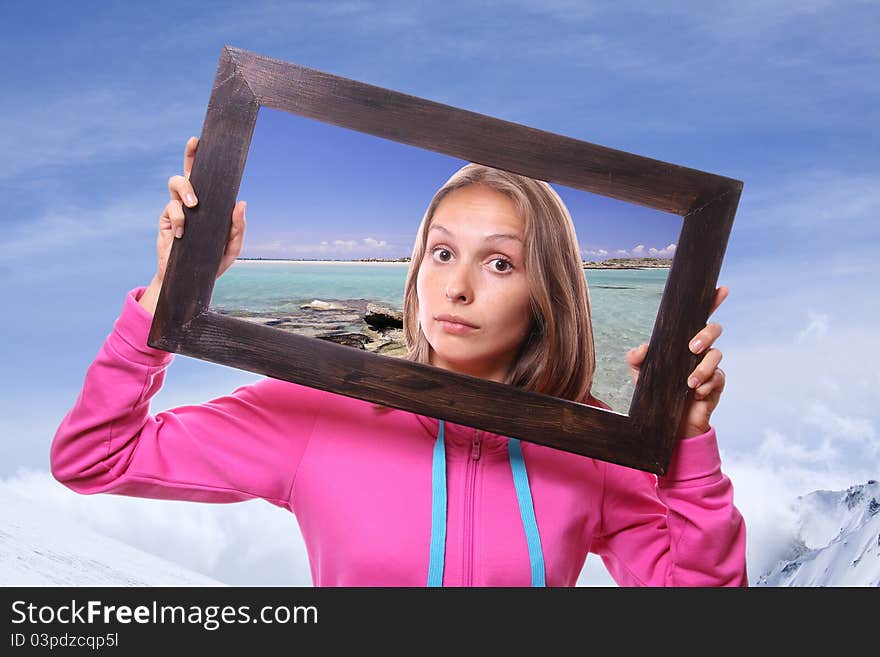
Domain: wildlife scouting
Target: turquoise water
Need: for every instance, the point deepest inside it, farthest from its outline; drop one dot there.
(280, 286)
(624, 304)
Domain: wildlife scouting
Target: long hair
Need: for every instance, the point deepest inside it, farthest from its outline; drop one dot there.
(557, 357)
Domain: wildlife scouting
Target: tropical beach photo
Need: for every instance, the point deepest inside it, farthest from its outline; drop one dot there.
(349, 290)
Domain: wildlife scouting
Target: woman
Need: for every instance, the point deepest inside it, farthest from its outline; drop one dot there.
(388, 497)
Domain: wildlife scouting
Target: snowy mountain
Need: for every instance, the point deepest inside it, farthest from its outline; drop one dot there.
(41, 547)
(837, 541)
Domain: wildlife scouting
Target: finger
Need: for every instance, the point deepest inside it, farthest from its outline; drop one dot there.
(189, 155)
(720, 295)
(172, 218)
(180, 189)
(236, 238)
(636, 356)
(237, 229)
(711, 399)
(714, 384)
(706, 337)
(703, 371)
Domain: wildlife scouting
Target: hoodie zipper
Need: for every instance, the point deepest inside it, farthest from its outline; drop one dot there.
(476, 450)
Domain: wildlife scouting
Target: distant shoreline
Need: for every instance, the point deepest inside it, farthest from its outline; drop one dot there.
(613, 263)
(630, 263)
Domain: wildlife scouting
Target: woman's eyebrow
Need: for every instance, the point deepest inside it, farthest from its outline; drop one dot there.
(489, 238)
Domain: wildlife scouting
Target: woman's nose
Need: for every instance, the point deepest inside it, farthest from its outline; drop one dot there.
(455, 295)
(457, 286)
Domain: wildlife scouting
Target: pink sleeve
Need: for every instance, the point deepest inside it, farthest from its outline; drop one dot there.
(681, 529)
(244, 445)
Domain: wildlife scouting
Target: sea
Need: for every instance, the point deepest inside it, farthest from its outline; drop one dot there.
(623, 303)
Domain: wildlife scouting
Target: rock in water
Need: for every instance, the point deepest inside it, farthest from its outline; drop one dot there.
(317, 304)
(382, 317)
(356, 340)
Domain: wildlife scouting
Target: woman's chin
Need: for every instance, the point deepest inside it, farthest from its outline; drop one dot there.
(454, 362)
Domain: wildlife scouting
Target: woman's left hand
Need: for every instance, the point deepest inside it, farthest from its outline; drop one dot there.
(707, 379)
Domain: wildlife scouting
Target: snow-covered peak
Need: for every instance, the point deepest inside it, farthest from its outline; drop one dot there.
(837, 540)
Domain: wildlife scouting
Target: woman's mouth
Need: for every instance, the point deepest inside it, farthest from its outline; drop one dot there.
(455, 328)
(451, 324)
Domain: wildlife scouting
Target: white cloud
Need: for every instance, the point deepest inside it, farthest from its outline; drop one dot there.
(249, 543)
(282, 248)
(666, 252)
(636, 252)
(859, 430)
(370, 241)
(779, 447)
(93, 125)
(842, 204)
(71, 228)
(815, 330)
(764, 499)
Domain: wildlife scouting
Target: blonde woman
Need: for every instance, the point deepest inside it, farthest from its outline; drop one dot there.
(391, 498)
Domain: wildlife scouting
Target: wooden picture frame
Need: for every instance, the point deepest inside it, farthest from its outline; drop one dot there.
(644, 438)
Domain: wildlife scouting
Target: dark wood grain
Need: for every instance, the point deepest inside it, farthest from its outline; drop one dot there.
(644, 438)
(423, 389)
(474, 137)
(216, 175)
(661, 394)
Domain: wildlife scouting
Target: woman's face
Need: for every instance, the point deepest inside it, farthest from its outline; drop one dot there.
(474, 269)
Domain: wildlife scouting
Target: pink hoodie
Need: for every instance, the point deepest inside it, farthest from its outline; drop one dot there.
(359, 481)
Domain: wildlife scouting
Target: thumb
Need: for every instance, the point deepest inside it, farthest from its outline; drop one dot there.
(634, 359)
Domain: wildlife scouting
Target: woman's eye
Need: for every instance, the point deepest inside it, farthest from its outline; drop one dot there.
(507, 264)
(439, 249)
(445, 255)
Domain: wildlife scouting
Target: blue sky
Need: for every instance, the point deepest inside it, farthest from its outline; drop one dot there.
(100, 98)
(318, 191)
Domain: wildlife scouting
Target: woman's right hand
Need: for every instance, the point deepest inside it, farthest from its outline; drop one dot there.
(171, 223)
(171, 227)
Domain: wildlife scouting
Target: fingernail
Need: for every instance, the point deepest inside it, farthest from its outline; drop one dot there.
(696, 345)
(693, 381)
(190, 199)
(179, 232)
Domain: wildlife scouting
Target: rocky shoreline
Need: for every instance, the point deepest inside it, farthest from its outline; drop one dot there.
(374, 327)
(630, 263)
(357, 323)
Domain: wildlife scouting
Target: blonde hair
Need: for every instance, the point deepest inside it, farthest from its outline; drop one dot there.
(557, 357)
